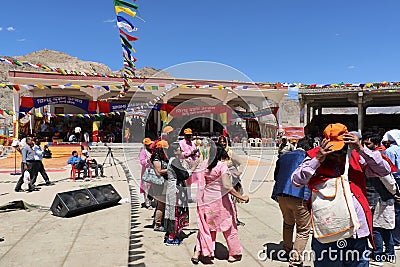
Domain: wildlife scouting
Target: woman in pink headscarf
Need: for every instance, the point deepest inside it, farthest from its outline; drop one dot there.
(144, 157)
(215, 210)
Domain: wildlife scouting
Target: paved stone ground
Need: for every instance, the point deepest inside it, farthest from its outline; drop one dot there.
(37, 238)
(122, 235)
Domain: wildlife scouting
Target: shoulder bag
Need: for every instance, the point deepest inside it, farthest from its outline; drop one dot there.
(150, 176)
(333, 215)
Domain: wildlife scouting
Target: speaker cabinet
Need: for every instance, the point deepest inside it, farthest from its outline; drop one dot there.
(76, 202)
(105, 195)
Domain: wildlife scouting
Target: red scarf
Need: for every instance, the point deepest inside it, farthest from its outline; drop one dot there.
(356, 178)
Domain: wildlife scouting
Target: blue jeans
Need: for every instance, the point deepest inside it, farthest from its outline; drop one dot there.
(396, 230)
(343, 253)
(382, 236)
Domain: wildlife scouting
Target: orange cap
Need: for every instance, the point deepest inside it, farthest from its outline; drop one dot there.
(168, 129)
(334, 132)
(147, 141)
(162, 144)
(188, 131)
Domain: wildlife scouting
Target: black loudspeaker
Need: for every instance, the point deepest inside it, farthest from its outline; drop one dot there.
(105, 195)
(76, 202)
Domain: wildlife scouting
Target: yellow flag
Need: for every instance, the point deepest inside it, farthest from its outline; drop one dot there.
(164, 115)
(41, 87)
(224, 118)
(125, 10)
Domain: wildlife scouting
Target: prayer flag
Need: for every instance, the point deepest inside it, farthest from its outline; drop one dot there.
(126, 42)
(126, 10)
(124, 3)
(130, 37)
(124, 23)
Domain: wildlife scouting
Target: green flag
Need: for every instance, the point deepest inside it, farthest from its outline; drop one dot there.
(126, 43)
(123, 3)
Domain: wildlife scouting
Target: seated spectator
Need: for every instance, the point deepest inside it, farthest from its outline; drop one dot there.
(92, 163)
(46, 152)
(79, 163)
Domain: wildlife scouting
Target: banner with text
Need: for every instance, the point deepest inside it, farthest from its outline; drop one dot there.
(27, 103)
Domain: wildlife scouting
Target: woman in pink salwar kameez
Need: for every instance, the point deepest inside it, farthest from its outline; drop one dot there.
(215, 210)
(144, 157)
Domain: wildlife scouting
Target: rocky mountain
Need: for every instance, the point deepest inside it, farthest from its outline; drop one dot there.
(152, 72)
(62, 60)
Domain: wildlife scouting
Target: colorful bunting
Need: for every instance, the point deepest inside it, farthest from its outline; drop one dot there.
(127, 48)
(58, 70)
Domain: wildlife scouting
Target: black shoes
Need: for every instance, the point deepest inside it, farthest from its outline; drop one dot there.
(239, 223)
(18, 190)
(48, 183)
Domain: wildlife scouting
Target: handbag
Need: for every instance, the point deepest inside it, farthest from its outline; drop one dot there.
(333, 216)
(150, 176)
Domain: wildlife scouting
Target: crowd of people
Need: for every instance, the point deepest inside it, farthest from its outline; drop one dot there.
(210, 168)
(369, 166)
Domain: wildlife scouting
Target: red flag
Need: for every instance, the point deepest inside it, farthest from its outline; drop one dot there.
(104, 106)
(129, 37)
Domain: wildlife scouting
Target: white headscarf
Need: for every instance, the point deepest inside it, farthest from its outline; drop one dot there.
(393, 136)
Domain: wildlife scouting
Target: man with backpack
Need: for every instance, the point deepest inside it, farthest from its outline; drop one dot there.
(348, 246)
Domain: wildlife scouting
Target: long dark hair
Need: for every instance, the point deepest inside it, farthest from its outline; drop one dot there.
(158, 152)
(216, 150)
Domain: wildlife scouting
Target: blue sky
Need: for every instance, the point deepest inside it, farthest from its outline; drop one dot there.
(305, 41)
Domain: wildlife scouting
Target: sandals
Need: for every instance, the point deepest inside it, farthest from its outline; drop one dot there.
(234, 258)
(195, 260)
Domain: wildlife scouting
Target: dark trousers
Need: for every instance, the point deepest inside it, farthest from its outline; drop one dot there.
(382, 236)
(33, 168)
(396, 230)
(350, 253)
(42, 172)
(96, 168)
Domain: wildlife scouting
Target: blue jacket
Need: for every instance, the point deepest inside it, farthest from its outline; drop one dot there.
(285, 166)
(73, 159)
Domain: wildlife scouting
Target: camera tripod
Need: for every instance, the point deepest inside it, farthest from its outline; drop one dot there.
(111, 159)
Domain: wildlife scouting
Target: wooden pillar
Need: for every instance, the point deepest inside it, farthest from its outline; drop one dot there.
(361, 112)
(16, 104)
(308, 114)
